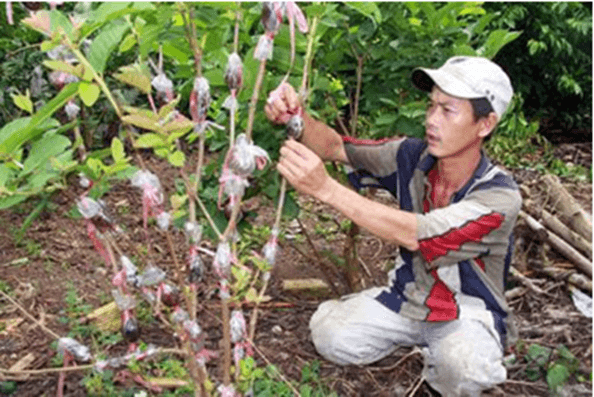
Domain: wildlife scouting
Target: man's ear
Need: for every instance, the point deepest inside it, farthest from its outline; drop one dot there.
(488, 124)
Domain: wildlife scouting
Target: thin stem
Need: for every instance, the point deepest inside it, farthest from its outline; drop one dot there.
(194, 196)
(226, 341)
(29, 316)
(254, 101)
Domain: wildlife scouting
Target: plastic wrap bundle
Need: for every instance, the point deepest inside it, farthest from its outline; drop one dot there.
(222, 260)
(123, 301)
(83, 181)
(163, 220)
(117, 362)
(130, 330)
(60, 79)
(193, 231)
(72, 110)
(131, 271)
(194, 334)
(272, 17)
(199, 103)
(245, 157)
(238, 326)
(152, 194)
(169, 295)
(79, 351)
(234, 72)
(196, 268)
(227, 391)
(295, 127)
(232, 185)
(90, 209)
(164, 87)
(152, 275)
(179, 315)
(271, 247)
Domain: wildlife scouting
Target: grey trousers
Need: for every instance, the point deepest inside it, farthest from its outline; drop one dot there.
(461, 357)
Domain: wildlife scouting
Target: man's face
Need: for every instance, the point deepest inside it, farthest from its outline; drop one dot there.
(450, 129)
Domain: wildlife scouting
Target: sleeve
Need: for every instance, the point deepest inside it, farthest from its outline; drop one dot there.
(478, 225)
(377, 163)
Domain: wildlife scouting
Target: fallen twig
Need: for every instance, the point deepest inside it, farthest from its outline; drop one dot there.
(29, 316)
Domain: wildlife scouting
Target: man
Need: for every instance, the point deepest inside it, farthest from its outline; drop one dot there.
(454, 230)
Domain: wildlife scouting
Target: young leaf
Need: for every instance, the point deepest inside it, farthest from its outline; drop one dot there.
(149, 140)
(137, 76)
(142, 121)
(89, 93)
(177, 158)
(105, 43)
(127, 43)
(117, 150)
(62, 66)
(557, 375)
(23, 102)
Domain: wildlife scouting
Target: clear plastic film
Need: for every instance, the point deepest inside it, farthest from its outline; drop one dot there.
(123, 301)
(234, 72)
(245, 156)
(222, 260)
(238, 326)
(79, 351)
(152, 275)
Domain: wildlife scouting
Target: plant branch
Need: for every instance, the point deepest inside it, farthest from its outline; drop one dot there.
(28, 315)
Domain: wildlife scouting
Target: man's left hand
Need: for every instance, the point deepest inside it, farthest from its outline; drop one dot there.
(304, 170)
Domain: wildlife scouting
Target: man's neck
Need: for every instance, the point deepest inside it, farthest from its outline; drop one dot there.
(455, 172)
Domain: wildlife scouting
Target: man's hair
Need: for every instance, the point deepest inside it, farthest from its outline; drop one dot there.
(481, 108)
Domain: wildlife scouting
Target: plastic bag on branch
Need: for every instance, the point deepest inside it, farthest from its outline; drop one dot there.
(130, 329)
(194, 232)
(130, 270)
(272, 15)
(164, 220)
(169, 295)
(91, 209)
(232, 185)
(199, 103)
(245, 157)
(152, 194)
(79, 351)
(238, 326)
(234, 80)
(196, 268)
(295, 127)
(222, 260)
(179, 315)
(164, 87)
(123, 301)
(116, 362)
(72, 110)
(152, 275)
(271, 247)
(227, 391)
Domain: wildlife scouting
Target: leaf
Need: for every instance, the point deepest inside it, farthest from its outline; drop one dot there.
(177, 158)
(117, 150)
(557, 375)
(23, 102)
(149, 140)
(43, 149)
(17, 138)
(127, 43)
(62, 66)
(142, 121)
(137, 76)
(89, 93)
(369, 9)
(105, 43)
(496, 40)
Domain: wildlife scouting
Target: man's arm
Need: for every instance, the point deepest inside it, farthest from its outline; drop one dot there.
(306, 172)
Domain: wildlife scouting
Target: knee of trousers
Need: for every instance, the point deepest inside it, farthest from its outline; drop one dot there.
(462, 366)
(337, 342)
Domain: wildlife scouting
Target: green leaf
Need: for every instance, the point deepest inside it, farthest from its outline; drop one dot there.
(149, 140)
(177, 158)
(137, 76)
(23, 102)
(12, 200)
(127, 43)
(105, 43)
(369, 9)
(89, 93)
(117, 150)
(496, 40)
(142, 121)
(14, 140)
(43, 149)
(557, 376)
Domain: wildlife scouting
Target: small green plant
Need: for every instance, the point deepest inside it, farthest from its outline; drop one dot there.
(556, 365)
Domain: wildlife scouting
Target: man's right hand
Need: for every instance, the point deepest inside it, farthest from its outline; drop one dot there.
(282, 104)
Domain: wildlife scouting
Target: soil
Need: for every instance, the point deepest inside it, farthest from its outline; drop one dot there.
(55, 257)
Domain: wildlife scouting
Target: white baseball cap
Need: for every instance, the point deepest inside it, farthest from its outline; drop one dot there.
(469, 78)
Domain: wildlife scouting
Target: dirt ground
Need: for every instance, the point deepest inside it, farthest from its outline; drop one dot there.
(55, 257)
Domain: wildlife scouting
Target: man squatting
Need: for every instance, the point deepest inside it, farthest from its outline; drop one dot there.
(454, 229)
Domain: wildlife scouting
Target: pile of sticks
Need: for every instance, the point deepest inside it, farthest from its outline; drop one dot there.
(560, 222)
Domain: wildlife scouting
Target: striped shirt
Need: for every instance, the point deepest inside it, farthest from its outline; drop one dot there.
(460, 268)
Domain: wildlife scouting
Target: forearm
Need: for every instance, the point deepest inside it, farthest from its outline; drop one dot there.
(388, 223)
(323, 140)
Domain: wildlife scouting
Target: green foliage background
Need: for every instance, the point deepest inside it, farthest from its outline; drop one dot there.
(545, 47)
